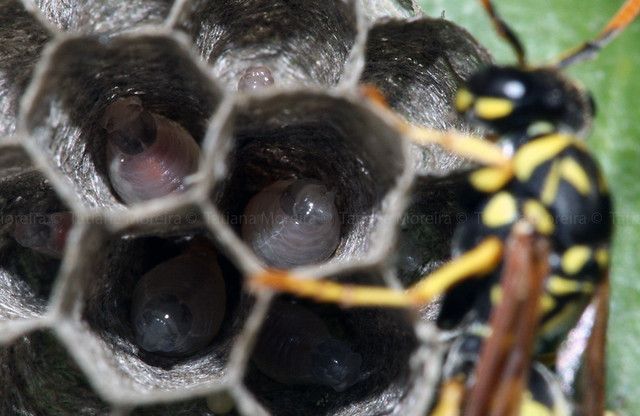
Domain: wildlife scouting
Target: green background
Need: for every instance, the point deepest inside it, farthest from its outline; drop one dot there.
(548, 28)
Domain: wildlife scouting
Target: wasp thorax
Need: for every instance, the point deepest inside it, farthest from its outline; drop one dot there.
(292, 223)
(149, 156)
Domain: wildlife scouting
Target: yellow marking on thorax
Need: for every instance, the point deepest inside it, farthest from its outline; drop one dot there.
(540, 128)
(491, 108)
(501, 209)
(574, 259)
(560, 286)
(572, 172)
(533, 154)
(538, 215)
(551, 184)
(464, 99)
(490, 179)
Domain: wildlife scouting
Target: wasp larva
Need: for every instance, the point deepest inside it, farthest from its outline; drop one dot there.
(292, 223)
(295, 347)
(178, 306)
(46, 234)
(148, 155)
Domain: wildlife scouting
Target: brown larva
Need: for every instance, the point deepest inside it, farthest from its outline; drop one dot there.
(148, 155)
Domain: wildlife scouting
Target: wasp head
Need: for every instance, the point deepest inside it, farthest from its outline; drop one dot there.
(526, 102)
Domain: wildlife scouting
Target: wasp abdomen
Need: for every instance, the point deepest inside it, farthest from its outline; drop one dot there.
(295, 347)
(178, 306)
(149, 156)
(46, 234)
(292, 223)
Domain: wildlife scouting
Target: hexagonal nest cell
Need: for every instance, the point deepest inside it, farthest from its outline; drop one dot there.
(67, 312)
(30, 207)
(301, 44)
(313, 136)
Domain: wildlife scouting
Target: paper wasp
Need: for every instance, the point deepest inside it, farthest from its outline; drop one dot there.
(523, 271)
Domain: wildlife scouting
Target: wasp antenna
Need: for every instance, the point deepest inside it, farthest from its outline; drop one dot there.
(627, 14)
(504, 31)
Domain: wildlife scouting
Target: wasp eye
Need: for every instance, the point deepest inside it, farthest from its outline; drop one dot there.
(178, 306)
(255, 78)
(292, 223)
(148, 155)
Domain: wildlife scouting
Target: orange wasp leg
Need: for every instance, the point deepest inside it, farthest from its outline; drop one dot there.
(625, 15)
(481, 259)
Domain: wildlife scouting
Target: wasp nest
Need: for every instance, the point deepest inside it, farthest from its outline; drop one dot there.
(110, 110)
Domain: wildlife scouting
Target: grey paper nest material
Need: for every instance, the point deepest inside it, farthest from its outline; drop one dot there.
(68, 343)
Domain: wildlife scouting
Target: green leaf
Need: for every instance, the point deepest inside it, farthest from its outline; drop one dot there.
(548, 28)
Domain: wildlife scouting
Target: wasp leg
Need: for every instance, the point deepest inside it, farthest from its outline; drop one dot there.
(479, 261)
(592, 379)
(504, 30)
(475, 148)
(450, 398)
(626, 14)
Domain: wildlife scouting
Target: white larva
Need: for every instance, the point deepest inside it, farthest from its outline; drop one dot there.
(292, 223)
(148, 155)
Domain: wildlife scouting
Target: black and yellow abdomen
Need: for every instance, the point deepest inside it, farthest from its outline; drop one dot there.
(557, 187)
